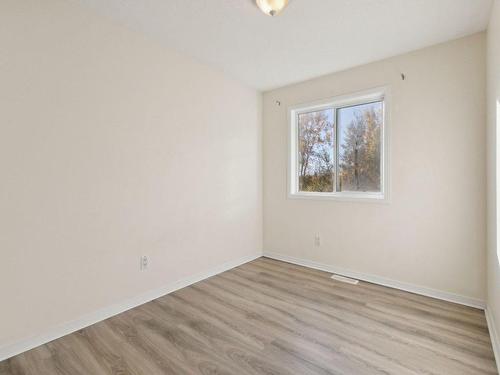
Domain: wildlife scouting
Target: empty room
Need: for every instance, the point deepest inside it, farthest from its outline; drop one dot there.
(249, 187)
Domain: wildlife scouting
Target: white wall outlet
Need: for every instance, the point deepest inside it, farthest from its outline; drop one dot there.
(317, 240)
(144, 262)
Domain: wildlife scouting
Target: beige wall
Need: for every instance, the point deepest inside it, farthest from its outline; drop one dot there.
(112, 147)
(493, 81)
(432, 233)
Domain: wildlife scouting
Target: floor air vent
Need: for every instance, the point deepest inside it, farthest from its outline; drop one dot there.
(345, 279)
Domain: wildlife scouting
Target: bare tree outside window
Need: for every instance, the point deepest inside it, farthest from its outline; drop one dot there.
(359, 147)
(316, 150)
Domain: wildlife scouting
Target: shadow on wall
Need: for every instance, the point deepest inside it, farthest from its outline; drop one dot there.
(497, 128)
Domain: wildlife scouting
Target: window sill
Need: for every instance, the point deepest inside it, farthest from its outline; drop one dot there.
(343, 197)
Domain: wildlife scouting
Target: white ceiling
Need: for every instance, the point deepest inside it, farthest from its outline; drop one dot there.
(310, 38)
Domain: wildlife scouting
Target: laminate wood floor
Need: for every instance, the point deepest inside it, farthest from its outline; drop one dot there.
(269, 317)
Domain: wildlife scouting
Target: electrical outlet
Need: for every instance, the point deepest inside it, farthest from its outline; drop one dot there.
(317, 240)
(144, 262)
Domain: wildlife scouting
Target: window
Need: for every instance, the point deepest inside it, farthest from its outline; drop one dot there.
(338, 148)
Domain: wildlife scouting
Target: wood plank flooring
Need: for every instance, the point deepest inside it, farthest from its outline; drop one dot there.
(269, 317)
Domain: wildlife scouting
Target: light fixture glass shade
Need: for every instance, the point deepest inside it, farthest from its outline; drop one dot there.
(271, 7)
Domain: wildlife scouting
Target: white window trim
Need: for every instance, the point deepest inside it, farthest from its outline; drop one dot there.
(379, 93)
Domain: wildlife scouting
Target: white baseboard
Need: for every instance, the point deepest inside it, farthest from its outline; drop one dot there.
(494, 336)
(417, 289)
(18, 347)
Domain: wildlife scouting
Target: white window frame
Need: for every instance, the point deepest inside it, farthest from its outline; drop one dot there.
(372, 95)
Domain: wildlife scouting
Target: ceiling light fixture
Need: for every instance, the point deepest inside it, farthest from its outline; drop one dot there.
(271, 7)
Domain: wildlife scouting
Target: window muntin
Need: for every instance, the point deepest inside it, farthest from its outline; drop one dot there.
(338, 148)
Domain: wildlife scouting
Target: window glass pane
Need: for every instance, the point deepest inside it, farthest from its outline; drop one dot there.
(315, 153)
(359, 132)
